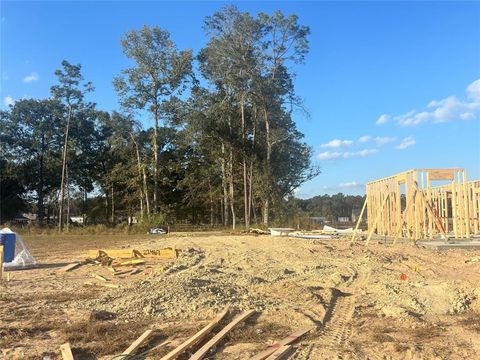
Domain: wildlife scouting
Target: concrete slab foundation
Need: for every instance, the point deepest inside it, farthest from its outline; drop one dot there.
(451, 244)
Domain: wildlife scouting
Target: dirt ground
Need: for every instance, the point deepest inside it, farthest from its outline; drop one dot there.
(353, 297)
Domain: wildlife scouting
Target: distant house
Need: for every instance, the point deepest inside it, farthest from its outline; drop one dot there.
(355, 214)
(132, 220)
(76, 219)
(343, 219)
(319, 219)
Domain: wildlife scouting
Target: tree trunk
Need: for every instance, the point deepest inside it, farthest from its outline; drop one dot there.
(225, 189)
(68, 198)
(211, 202)
(106, 205)
(85, 206)
(40, 205)
(155, 159)
(244, 155)
(232, 206)
(64, 163)
(250, 179)
(145, 191)
(113, 207)
(266, 205)
(139, 168)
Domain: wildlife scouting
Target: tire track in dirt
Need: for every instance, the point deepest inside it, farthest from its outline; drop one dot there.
(332, 342)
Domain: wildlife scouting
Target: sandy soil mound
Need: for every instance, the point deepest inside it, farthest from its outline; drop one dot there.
(187, 289)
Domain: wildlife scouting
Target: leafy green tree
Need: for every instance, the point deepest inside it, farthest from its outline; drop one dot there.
(70, 91)
(32, 133)
(230, 60)
(159, 73)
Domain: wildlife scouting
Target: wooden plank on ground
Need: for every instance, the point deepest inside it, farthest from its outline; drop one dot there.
(66, 351)
(285, 341)
(71, 266)
(199, 336)
(113, 253)
(133, 262)
(281, 353)
(202, 352)
(165, 253)
(134, 271)
(99, 277)
(137, 343)
(111, 286)
(123, 272)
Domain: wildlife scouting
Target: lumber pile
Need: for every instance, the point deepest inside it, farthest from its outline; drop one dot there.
(258, 231)
(165, 253)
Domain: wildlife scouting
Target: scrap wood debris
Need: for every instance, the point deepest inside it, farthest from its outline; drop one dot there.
(277, 345)
(66, 352)
(111, 259)
(198, 337)
(165, 253)
(278, 350)
(259, 231)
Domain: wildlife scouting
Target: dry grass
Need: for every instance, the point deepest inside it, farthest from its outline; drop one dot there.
(471, 321)
(251, 333)
(38, 326)
(103, 337)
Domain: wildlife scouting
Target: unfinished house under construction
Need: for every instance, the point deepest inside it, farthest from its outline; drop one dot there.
(424, 204)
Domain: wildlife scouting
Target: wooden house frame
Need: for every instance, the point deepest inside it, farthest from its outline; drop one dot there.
(407, 205)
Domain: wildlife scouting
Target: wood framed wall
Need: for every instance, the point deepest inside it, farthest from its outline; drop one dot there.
(407, 205)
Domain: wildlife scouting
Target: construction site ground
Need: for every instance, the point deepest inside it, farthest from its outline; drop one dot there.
(355, 297)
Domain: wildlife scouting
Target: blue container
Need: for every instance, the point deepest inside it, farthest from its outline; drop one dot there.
(8, 242)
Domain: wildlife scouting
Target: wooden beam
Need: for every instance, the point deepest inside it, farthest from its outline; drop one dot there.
(199, 336)
(70, 267)
(99, 277)
(165, 253)
(137, 343)
(379, 213)
(281, 353)
(359, 220)
(113, 253)
(405, 212)
(66, 351)
(432, 213)
(285, 341)
(203, 351)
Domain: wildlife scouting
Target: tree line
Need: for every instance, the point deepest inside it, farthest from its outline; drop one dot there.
(223, 148)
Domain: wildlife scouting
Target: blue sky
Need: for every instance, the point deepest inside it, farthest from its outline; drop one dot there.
(411, 66)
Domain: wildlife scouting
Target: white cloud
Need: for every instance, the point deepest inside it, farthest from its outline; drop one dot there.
(364, 139)
(406, 142)
(384, 118)
(380, 141)
(360, 153)
(8, 100)
(329, 155)
(349, 185)
(332, 155)
(448, 109)
(30, 78)
(336, 143)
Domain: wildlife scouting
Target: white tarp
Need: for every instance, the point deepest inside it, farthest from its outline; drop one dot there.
(339, 231)
(23, 259)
